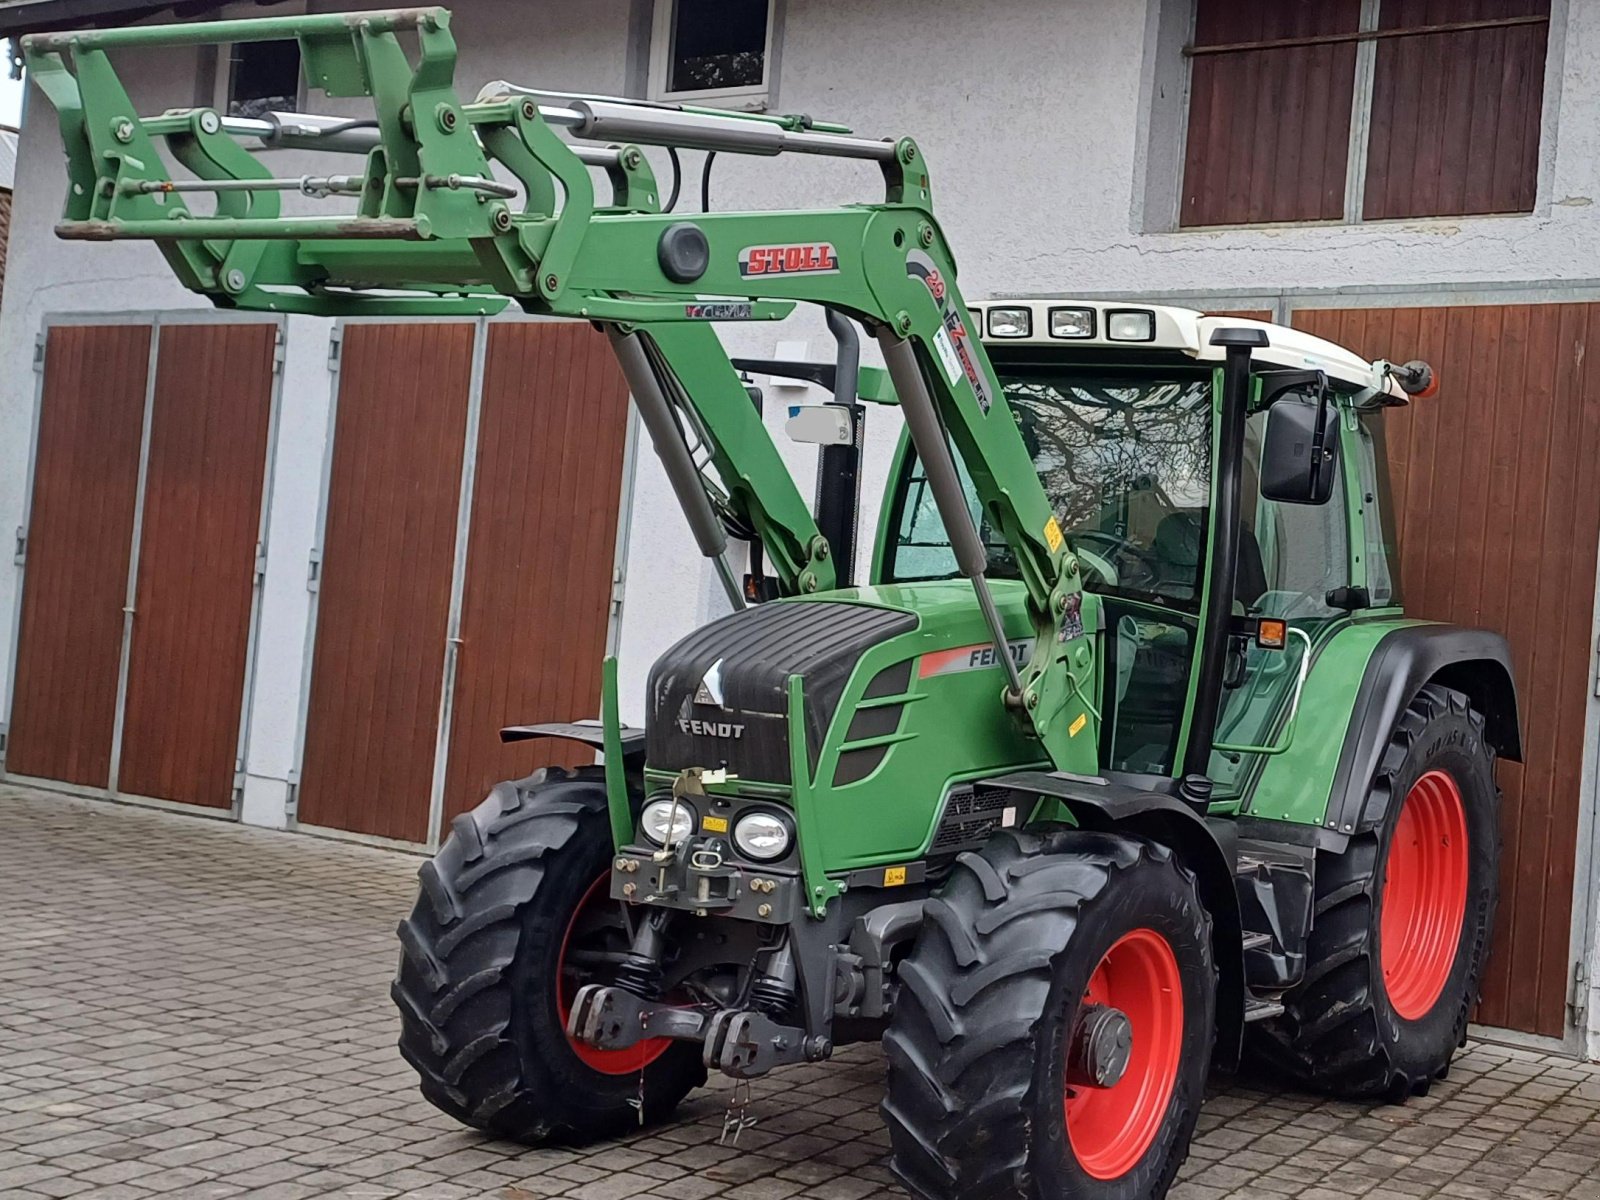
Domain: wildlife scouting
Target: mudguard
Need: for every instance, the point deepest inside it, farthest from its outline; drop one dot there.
(1204, 847)
(589, 735)
(1474, 661)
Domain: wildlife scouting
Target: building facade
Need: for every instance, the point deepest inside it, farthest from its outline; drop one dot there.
(298, 572)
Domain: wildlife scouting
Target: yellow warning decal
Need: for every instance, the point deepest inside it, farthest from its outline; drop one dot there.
(714, 825)
(894, 876)
(1076, 727)
(1052, 535)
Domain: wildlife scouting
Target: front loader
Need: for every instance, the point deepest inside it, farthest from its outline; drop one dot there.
(1123, 763)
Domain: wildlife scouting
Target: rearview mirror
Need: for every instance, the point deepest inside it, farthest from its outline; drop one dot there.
(1300, 453)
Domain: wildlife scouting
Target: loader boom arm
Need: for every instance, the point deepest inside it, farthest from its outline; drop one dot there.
(436, 231)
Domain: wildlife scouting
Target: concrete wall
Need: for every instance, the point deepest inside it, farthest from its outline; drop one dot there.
(1053, 131)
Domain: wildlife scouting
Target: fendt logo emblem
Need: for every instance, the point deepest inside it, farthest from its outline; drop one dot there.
(709, 693)
(710, 689)
(806, 258)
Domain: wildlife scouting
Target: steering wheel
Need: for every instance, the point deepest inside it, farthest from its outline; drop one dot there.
(1132, 565)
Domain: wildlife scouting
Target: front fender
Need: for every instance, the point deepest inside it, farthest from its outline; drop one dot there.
(1203, 847)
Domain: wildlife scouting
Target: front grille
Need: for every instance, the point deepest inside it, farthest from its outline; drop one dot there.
(971, 815)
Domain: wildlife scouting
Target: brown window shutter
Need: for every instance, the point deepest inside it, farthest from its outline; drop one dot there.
(1456, 115)
(1269, 128)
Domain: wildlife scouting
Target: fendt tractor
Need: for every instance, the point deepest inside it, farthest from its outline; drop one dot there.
(1124, 762)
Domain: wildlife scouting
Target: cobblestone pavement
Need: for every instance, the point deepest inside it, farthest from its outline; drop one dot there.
(193, 1009)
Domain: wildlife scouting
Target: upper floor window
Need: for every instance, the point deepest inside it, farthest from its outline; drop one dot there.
(263, 77)
(711, 50)
(1362, 110)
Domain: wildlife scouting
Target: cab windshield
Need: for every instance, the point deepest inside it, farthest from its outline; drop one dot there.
(1125, 458)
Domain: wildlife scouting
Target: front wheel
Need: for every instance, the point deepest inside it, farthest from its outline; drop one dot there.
(514, 916)
(1402, 919)
(1054, 1022)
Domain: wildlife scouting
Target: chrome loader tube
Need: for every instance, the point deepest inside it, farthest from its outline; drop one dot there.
(340, 135)
(927, 435)
(675, 458)
(605, 121)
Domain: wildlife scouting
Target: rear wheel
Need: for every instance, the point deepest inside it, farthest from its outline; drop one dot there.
(1053, 1025)
(1402, 919)
(514, 916)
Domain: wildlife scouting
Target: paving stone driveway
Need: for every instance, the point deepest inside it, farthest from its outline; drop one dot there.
(194, 1009)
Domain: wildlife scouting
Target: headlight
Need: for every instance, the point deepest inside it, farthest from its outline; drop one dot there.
(762, 836)
(1131, 325)
(1072, 322)
(658, 815)
(1010, 322)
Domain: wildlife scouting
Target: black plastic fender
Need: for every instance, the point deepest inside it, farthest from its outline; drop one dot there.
(1476, 662)
(589, 735)
(1204, 847)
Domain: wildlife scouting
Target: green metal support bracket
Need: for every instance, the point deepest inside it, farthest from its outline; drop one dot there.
(820, 889)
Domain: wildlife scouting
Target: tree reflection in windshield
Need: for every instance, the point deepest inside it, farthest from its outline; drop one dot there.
(1126, 462)
(1125, 459)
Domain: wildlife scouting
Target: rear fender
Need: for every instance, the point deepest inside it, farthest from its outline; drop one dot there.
(1474, 661)
(1203, 847)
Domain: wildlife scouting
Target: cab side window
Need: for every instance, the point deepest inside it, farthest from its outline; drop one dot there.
(1290, 555)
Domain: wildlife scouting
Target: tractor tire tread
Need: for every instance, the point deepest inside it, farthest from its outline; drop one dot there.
(1328, 1038)
(455, 984)
(961, 1083)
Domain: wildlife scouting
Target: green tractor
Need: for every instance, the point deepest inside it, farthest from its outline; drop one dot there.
(1124, 763)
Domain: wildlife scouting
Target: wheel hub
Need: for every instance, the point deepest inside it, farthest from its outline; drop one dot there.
(1102, 1044)
(1126, 1044)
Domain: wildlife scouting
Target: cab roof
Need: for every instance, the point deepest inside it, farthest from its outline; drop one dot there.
(1182, 329)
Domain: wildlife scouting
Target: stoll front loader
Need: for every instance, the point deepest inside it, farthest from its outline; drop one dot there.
(1124, 763)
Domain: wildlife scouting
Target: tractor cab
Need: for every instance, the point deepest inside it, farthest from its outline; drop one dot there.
(1119, 408)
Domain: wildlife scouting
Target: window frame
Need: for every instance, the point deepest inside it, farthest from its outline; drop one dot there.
(222, 89)
(752, 98)
(1359, 134)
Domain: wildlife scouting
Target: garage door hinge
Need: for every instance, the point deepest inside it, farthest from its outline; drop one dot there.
(38, 352)
(1578, 997)
(314, 571)
(22, 546)
(335, 345)
(277, 351)
(617, 589)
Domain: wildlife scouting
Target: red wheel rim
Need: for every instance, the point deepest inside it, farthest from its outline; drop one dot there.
(1424, 895)
(608, 1062)
(1111, 1128)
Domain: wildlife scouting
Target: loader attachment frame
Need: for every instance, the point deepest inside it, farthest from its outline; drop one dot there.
(436, 232)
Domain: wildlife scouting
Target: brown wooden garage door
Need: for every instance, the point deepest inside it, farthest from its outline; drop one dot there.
(197, 553)
(1497, 489)
(540, 551)
(80, 531)
(384, 594)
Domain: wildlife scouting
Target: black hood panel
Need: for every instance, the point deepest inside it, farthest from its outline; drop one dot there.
(744, 660)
